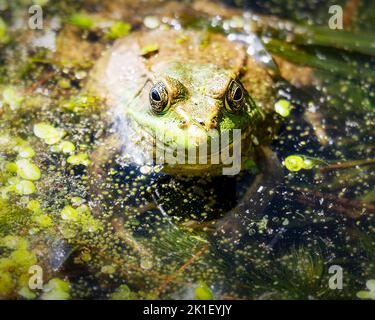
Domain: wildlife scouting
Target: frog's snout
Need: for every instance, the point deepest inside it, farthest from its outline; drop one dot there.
(206, 122)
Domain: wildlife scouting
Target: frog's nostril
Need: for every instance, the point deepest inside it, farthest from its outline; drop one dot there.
(183, 123)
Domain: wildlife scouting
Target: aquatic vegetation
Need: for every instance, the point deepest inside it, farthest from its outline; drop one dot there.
(283, 107)
(24, 187)
(124, 293)
(3, 32)
(48, 133)
(296, 163)
(12, 97)
(14, 268)
(203, 292)
(370, 294)
(65, 146)
(118, 29)
(56, 289)
(81, 20)
(80, 103)
(79, 159)
(149, 49)
(27, 170)
(120, 231)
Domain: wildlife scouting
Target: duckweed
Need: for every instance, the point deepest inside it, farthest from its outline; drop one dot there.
(56, 289)
(27, 170)
(149, 49)
(283, 107)
(370, 294)
(25, 151)
(33, 205)
(79, 103)
(203, 292)
(82, 217)
(12, 97)
(23, 258)
(66, 147)
(294, 163)
(11, 167)
(79, 159)
(298, 162)
(27, 293)
(14, 268)
(48, 133)
(69, 213)
(6, 284)
(124, 293)
(43, 220)
(118, 29)
(25, 187)
(14, 242)
(82, 21)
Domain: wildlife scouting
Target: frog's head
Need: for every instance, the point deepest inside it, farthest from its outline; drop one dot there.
(192, 105)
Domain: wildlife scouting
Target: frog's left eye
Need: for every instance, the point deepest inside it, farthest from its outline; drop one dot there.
(234, 97)
(159, 99)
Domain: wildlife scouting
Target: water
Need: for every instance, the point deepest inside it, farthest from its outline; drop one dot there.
(118, 231)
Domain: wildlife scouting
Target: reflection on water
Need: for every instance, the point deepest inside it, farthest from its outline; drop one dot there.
(102, 228)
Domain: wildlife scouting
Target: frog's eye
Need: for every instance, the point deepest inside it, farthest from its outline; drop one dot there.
(159, 99)
(234, 97)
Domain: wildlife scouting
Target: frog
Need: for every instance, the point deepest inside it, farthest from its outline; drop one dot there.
(193, 87)
(189, 91)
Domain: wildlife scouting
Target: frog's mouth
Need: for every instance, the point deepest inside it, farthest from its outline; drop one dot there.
(210, 157)
(177, 151)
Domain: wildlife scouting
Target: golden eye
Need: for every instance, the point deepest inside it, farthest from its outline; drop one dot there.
(234, 97)
(159, 99)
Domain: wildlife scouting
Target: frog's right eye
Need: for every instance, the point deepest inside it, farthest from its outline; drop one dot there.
(159, 99)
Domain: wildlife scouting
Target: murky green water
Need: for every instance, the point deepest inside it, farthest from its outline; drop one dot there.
(128, 232)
